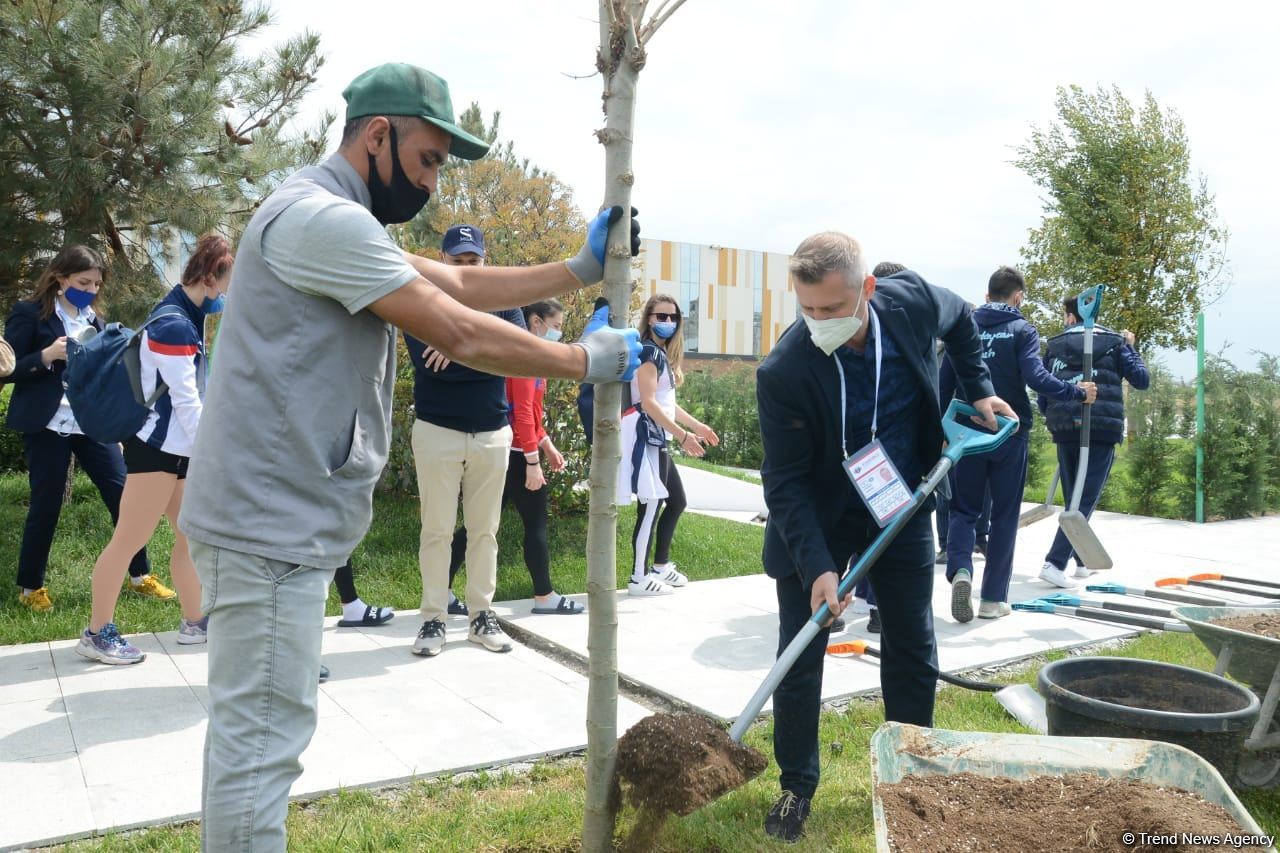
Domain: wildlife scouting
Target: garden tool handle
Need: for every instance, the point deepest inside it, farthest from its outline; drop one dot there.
(965, 439)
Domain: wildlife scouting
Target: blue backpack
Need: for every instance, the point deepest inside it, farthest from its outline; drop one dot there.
(103, 381)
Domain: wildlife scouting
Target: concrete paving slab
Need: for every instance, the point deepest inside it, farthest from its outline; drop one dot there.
(55, 785)
(84, 739)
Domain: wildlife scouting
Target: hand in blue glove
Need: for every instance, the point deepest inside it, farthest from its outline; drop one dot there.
(588, 265)
(599, 316)
(613, 354)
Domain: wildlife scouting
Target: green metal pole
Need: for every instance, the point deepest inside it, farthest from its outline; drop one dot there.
(1200, 418)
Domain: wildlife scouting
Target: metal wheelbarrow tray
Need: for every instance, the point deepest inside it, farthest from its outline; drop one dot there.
(1249, 658)
(899, 750)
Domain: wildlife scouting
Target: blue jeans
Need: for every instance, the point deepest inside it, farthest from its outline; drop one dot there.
(995, 480)
(1095, 480)
(902, 581)
(265, 623)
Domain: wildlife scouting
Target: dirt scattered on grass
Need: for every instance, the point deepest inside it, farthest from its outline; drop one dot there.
(966, 812)
(1154, 694)
(1266, 626)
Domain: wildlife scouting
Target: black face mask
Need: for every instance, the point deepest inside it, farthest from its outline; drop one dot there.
(399, 202)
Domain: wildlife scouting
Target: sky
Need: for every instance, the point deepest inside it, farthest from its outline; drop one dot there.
(760, 122)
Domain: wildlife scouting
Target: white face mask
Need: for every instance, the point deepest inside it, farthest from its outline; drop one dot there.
(830, 334)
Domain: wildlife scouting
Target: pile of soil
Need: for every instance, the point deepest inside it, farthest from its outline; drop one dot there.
(939, 814)
(677, 763)
(1267, 626)
(1154, 694)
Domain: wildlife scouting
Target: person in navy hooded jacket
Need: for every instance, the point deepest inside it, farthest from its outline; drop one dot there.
(1011, 350)
(1115, 361)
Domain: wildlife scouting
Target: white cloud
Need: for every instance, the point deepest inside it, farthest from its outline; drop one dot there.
(759, 122)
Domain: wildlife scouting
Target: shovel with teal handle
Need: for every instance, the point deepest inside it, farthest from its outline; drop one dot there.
(1042, 606)
(962, 440)
(1098, 603)
(1161, 595)
(1073, 522)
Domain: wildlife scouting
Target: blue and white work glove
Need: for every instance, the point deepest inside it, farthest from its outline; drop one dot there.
(588, 265)
(613, 354)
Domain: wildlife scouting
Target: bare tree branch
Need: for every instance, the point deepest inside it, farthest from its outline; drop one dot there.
(659, 18)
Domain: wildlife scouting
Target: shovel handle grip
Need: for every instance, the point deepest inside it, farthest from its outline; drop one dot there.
(963, 440)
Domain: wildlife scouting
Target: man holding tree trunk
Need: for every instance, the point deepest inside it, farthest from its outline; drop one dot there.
(295, 432)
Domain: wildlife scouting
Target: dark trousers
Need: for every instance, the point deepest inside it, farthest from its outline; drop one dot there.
(345, 580)
(656, 521)
(587, 409)
(943, 516)
(998, 477)
(1095, 479)
(48, 457)
(532, 507)
(903, 584)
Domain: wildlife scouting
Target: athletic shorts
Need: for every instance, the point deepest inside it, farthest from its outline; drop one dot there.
(142, 458)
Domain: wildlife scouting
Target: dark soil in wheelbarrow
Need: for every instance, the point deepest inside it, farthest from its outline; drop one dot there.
(1151, 694)
(677, 763)
(1267, 626)
(966, 812)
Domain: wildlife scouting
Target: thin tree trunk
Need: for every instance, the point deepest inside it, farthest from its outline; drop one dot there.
(619, 60)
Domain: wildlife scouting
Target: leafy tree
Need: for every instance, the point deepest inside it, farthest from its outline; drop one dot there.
(1152, 451)
(125, 121)
(1124, 210)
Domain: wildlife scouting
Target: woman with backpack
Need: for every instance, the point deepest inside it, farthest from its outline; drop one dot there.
(37, 330)
(172, 352)
(647, 471)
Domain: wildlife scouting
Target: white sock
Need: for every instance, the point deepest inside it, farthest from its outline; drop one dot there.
(26, 591)
(453, 599)
(138, 581)
(354, 611)
(552, 600)
(662, 567)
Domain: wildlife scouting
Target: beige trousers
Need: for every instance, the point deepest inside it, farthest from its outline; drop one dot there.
(475, 464)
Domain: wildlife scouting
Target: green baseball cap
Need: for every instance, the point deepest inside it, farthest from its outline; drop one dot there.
(400, 89)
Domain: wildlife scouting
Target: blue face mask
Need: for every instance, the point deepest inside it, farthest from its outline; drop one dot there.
(215, 305)
(552, 335)
(664, 330)
(82, 299)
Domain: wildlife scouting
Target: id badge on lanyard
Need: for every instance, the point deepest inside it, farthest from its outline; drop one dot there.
(872, 472)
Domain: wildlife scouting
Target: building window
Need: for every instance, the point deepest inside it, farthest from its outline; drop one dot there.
(690, 291)
(755, 266)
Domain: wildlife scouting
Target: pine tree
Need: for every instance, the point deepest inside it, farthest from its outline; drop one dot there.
(125, 121)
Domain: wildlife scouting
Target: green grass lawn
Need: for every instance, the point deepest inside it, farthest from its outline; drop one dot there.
(386, 563)
(714, 468)
(542, 810)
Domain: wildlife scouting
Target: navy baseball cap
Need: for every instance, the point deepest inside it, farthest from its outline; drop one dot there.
(461, 239)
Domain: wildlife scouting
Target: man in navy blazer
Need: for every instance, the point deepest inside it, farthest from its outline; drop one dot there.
(870, 335)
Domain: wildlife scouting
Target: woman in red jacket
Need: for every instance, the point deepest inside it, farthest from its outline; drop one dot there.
(532, 454)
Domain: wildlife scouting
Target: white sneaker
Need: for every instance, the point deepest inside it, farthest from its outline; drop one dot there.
(1081, 571)
(1056, 576)
(860, 607)
(669, 575)
(486, 631)
(650, 586)
(993, 609)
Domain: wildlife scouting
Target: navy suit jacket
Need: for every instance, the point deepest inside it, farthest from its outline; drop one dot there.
(37, 390)
(798, 391)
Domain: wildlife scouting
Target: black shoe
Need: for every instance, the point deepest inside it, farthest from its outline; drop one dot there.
(837, 625)
(980, 546)
(785, 820)
(458, 607)
(941, 558)
(873, 624)
(324, 673)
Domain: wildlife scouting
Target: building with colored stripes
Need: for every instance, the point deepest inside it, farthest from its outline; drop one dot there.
(736, 302)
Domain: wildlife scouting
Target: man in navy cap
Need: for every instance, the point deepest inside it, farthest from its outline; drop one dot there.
(295, 431)
(461, 444)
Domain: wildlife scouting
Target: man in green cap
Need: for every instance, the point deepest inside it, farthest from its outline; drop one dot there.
(295, 431)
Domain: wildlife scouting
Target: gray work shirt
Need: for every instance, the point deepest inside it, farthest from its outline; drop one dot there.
(297, 418)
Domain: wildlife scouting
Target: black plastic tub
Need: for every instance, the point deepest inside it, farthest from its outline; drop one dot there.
(1125, 697)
